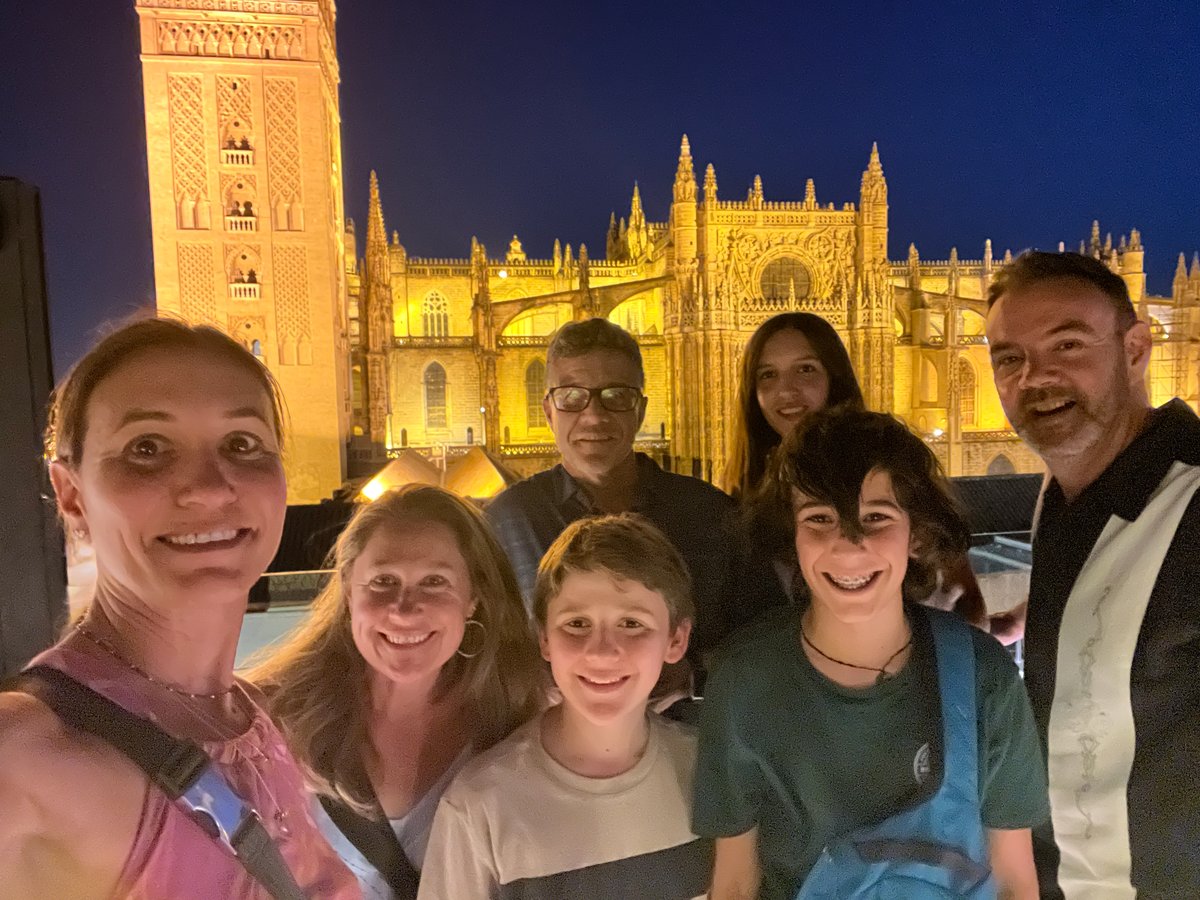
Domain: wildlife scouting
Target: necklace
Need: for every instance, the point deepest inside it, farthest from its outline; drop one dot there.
(883, 675)
(112, 651)
(221, 731)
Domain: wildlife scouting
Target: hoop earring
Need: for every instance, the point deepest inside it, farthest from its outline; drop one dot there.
(482, 638)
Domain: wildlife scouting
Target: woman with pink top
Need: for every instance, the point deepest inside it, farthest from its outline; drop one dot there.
(164, 450)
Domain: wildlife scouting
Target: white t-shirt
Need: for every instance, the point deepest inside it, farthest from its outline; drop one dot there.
(516, 825)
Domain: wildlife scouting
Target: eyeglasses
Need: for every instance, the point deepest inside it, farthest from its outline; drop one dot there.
(615, 398)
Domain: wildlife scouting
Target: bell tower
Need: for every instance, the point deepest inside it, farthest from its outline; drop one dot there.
(243, 151)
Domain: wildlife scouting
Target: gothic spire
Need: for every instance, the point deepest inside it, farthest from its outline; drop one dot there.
(873, 187)
(376, 232)
(685, 174)
(637, 236)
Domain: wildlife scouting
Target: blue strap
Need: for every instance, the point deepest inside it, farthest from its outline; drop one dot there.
(955, 653)
(937, 848)
(179, 768)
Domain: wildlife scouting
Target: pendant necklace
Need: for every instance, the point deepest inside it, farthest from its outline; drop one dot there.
(883, 673)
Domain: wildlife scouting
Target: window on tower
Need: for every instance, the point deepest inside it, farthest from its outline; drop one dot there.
(435, 396)
(237, 148)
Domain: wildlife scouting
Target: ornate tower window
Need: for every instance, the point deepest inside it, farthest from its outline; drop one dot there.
(250, 332)
(966, 394)
(240, 212)
(783, 279)
(244, 272)
(435, 396)
(237, 146)
(535, 388)
(435, 315)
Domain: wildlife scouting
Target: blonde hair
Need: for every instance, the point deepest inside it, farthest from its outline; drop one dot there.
(316, 681)
(625, 546)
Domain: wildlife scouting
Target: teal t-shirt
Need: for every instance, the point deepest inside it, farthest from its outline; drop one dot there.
(806, 760)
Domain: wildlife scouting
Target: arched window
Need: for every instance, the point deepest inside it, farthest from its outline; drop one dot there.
(535, 387)
(256, 349)
(966, 394)
(435, 396)
(782, 277)
(435, 315)
(1001, 465)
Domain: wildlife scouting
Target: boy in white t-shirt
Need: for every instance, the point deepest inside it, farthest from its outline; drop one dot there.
(592, 798)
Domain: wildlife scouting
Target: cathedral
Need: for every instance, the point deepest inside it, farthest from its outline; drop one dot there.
(378, 351)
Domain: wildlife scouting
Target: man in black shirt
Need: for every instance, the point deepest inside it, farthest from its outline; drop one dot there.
(595, 405)
(1113, 631)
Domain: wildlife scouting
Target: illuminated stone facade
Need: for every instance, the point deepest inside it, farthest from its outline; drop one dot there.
(466, 359)
(391, 351)
(244, 159)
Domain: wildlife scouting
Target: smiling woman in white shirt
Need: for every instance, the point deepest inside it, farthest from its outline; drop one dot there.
(416, 657)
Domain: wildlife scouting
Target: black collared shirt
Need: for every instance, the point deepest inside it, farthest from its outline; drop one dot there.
(1164, 784)
(695, 516)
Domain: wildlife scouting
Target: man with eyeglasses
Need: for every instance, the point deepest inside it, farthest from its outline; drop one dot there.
(595, 405)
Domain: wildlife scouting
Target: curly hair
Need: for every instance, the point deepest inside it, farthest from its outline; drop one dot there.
(316, 681)
(830, 457)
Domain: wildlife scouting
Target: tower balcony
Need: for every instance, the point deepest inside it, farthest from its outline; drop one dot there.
(237, 157)
(241, 223)
(244, 291)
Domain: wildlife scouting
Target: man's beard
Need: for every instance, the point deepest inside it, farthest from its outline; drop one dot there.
(1069, 423)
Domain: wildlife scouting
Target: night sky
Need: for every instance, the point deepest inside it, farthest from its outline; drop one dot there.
(1018, 123)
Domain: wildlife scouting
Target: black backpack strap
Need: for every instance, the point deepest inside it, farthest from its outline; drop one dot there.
(378, 843)
(179, 768)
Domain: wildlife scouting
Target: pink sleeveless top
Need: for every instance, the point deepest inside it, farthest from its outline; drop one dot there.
(171, 856)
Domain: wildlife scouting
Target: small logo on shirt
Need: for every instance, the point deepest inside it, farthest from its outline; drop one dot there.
(921, 764)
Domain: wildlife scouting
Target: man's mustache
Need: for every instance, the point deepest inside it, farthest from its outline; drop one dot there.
(1039, 396)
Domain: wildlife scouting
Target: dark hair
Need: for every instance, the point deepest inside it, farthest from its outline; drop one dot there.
(66, 423)
(753, 437)
(578, 338)
(828, 458)
(1034, 266)
(625, 546)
